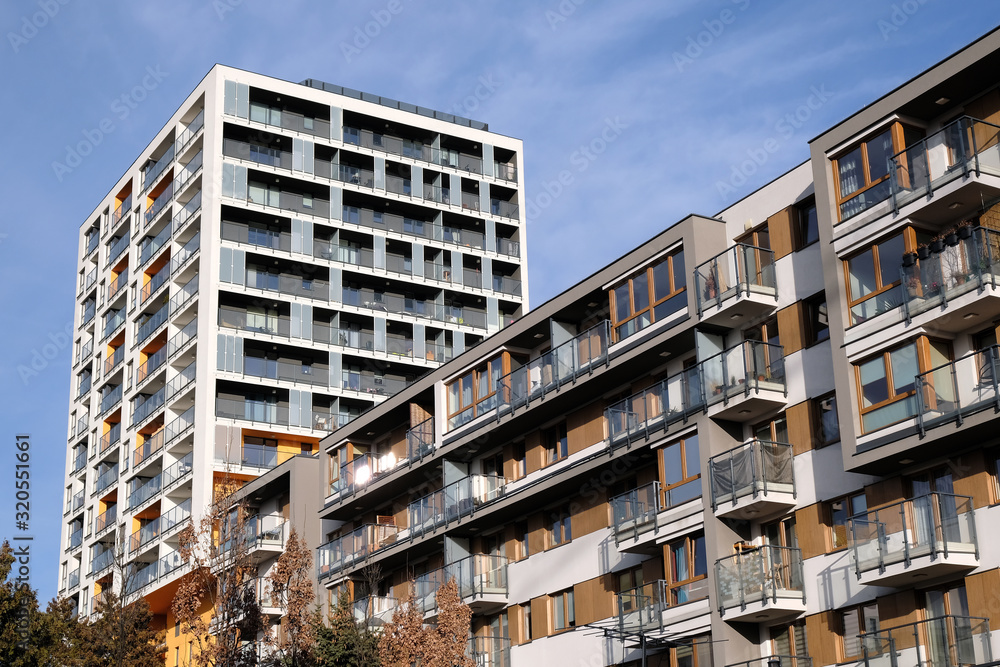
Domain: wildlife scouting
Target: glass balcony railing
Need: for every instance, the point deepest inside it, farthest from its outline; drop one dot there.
(73, 580)
(458, 499)
(118, 246)
(288, 284)
(114, 320)
(641, 609)
(153, 363)
(79, 461)
(84, 388)
(265, 155)
(398, 185)
(144, 535)
(75, 539)
(150, 174)
(150, 246)
(185, 253)
(253, 411)
(934, 526)
(89, 310)
(502, 208)
(505, 171)
(374, 611)
(392, 303)
(153, 284)
(180, 339)
(85, 351)
(143, 490)
(87, 281)
(437, 194)
(508, 247)
(150, 325)
(188, 133)
(92, 241)
(106, 479)
(420, 440)
(255, 236)
(748, 367)
(76, 501)
(548, 372)
(116, 286)
(160, 203)
(184, 296)
(177, 470)
(754, 470)
(763, 574)
(105, 519)
(235, 318)
(964, 145)
(141, 575)
(259, 456)
(351, 338)
(356, 546)
(438, 352)
(361, 257)
(147, 405)
(111, 438)
(507, 285)
(490, 650)
(180, 381)
(475, 576)
(186, 172)
(122, 210)
(959, 388)
(111, 398)
(369, 383)
(943, 641)
(186, 212)
(634, 512)
(300, 373)
(969, 265)
(739, 270)
(101, 561)
(324, 420)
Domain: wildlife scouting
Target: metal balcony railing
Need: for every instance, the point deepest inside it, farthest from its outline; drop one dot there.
(753, 469)
(458, 499)
(641, 609)
(954, 390)
(931, 525)
(669, 401)
(635, 512)
(490, 650)
(420, 440)
(182, 337)
(354, 547)
(739, 269)
(762, 574)
(742, 369)
(475, 576)
(943, 641)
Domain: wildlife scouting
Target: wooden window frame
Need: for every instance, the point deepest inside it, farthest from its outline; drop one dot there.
(635, 575)
(909, 245)
(567, 601)
(811, 307)
(922, 345)
(558, 449)
(562, 520)
(752, 239)
(688, 542)
(652, 302)
(898, 144)
(788, 630)
(475, 373)
(858, 612)
(665, 488)
(832, 534)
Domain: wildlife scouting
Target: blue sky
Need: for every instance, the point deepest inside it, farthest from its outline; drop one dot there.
(645, 108)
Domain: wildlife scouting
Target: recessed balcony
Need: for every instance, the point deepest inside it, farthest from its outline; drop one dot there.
(654, 409)
(752, 481)
(945, 641)
(736, 286)
(374, 611)
(657, 606)
(456, 500)
(761, 584)
(354, 547)
(745, 381)
(918, 539)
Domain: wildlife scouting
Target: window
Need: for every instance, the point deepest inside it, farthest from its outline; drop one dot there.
(853, 622)
(694, 652)
(474, 393)
(687, 570)
(556, 443)
(758, 267)
(560, 528)
(680, 472)
(520, 460)
(564, 614)
(861, 175)
(817, 319)
(773, 430)
(808, 225)
(827, 421)
(526, 622)
(840, 511)
(629, 581)
(873, 285)
(650, 296)
(789, 639)
(886, 383)
(521, 537)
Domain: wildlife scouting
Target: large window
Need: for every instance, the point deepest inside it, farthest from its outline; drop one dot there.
(560, 528)
(840, 511)
(853, 622)
(827, 421)
(651, 296)
(873, 279)
(789, 640)
(563, 610)
(556, 443)
(694, 652)
(886, 382)
(862, 174)
(680, 467)
(688, 570)
(474, 393)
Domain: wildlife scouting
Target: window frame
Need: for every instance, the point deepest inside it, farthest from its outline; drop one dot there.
(666, 487)
(817, 407)
(848, 500)
(689, 545)
(475, 374)
(678, 285)
(859, 612)
(563, 601)
(559, 528)
(802, 209)
(813, 306)
(909, 245)
(558, 449)
(898, 144)
(921, 346)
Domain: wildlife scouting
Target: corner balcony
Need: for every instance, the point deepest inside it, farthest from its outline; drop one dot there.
(965, 147)
(481, 581)
(752, 481)
(921, 538)
(943, 641)
(656, 606)
(953, 391)
(745, 382)
(962, 279)
(638, 514)
(736, 286)
(654, 409)
(354, 547)
(549, 372)
(760, 585)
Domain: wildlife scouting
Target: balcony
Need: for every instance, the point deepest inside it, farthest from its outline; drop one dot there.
(75, 502)
(118, 246)
(507, 285)
(186, 212)
(152, 364)
(160, 203)
(549, 372)
(503, 208)
(89, 310)
(258, 154)
(180, 340)
(149, 247)
(101, 561)
(420, 440)
(114, 360)
(753, 481)
(153, 285)
(75, 540)
(360, 472)
(761, 584)
(953, 391)
(73, 580)
(177, 471)
(150, 174)
(481, 581)
(374, 611)
(654, 606)
(192, 246)
(111, 398)
(943, 641)
(92, 241)
(146, 489)
(106, 479)
(114, 320)
(185, 136)
(964, 146)
(112, 437)
(736, 286)
(924, 537)
(745, 381)
(267, 533)
(353, 548)
(454, 501)
(654, 409)
(287, 284)
(148, 326)
(960, 278)
(636, 514)
(144, 408)
(234, 318)
(490, 651)
(284, 371)
(184, 296)
(121, 211)
(187, 172)
(105, 520)
(252, 411)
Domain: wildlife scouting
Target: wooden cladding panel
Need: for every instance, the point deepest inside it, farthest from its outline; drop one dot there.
(885, 492)
(972, 478)
(802, 425)
(793, 327)
(782, 227)
(823, 637)
(585, 427)
(983, 591)
(590, 513)
(534, 451)
(536, 533)
(812, 529)
(540, 616)
(594, 599)
(899, 609)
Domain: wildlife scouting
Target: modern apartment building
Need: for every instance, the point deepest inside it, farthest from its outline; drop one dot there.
(709, 452)
(278, 260)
